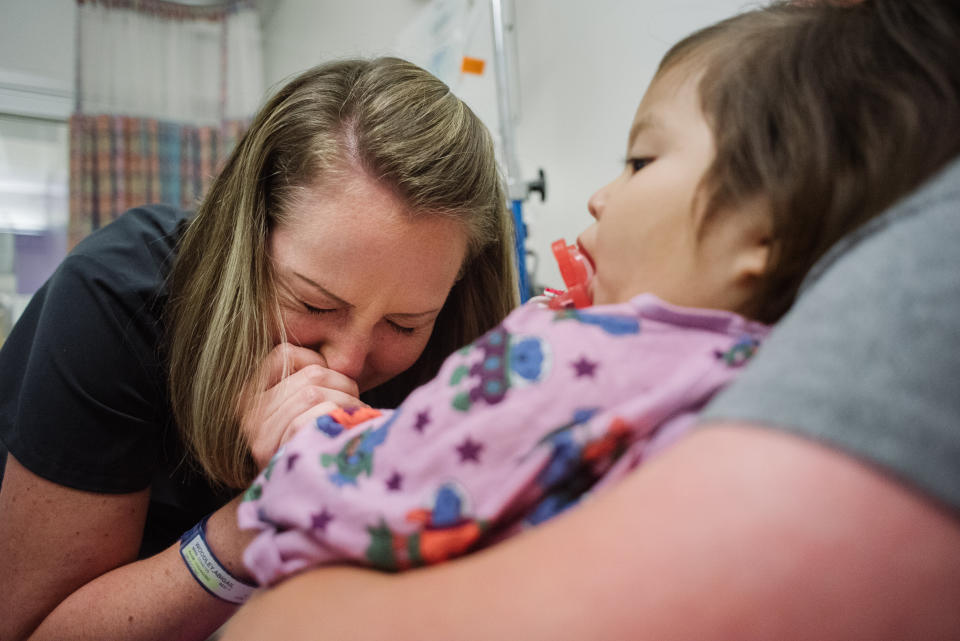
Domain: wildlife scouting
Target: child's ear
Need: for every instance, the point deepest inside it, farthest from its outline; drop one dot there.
(756, 240)
(753, 258)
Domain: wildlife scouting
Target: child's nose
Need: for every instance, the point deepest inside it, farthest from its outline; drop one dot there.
(597, 202)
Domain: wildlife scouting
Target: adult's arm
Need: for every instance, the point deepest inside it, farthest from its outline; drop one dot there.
(68, 560)
(736, 533)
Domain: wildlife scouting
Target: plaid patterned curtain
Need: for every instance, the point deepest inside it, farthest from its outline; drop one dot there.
(119, 162)
(134, 141)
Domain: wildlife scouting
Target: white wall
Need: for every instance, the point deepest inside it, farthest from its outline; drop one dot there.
(301, 33)
(582, 69)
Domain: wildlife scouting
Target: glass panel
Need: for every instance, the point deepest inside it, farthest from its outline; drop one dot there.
(34, 162)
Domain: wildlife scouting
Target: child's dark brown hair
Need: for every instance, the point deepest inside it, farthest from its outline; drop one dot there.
(830, 111)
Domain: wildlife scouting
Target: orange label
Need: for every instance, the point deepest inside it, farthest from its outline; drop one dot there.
(472, 65)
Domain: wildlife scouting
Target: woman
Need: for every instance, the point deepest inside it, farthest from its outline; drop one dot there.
(357, 234)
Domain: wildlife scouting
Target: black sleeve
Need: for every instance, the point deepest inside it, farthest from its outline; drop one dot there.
(82, 399)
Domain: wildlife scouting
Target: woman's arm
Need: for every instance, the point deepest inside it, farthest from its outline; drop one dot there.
(69, 568)
(736, 533)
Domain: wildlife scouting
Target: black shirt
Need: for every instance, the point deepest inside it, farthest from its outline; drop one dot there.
(83, 380)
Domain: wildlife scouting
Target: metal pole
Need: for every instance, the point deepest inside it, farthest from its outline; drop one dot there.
(501, 52)
(516, 187)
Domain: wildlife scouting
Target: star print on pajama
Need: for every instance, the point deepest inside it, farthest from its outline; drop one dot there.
(541, 411)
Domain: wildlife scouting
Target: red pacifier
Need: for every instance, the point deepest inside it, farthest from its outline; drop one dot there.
(576, 271)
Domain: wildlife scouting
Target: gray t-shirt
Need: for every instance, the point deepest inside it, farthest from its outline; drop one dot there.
(868, 360)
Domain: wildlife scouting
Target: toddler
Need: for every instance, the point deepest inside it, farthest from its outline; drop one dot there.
(738, 177)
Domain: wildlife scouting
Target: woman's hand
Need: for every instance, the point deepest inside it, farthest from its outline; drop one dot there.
(294, 387)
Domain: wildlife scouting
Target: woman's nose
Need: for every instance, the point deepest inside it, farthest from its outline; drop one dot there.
(347, 353)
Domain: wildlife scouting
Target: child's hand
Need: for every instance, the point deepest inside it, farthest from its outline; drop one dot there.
(278, 405)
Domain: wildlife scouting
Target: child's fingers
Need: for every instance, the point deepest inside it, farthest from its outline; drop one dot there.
(308, 419)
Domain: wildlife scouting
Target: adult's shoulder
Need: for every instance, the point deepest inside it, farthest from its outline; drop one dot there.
(866, 361)
(142, 235)
(88, 405)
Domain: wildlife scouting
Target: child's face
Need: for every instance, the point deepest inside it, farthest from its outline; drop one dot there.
(644, 239)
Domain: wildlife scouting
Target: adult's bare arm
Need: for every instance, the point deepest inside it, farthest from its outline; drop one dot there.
(69, 568)
(736, 533)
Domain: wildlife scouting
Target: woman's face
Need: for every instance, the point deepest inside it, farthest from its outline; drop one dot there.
(360, 280)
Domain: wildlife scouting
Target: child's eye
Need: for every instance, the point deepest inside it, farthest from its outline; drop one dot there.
(636, 164)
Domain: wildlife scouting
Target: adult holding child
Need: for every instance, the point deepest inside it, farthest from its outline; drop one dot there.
(820, 497)
(356, 235)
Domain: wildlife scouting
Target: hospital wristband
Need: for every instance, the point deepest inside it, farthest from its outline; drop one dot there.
(206, 568)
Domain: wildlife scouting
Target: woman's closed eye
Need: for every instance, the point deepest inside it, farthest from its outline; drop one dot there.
(402, 329)
(318, 310)
(397, 327)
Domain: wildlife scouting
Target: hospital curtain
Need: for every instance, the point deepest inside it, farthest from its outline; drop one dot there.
(163, 92)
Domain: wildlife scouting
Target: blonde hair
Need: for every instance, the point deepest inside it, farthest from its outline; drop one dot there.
(399, 124)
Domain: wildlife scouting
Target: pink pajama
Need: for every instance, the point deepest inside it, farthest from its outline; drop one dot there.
(515, 428)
